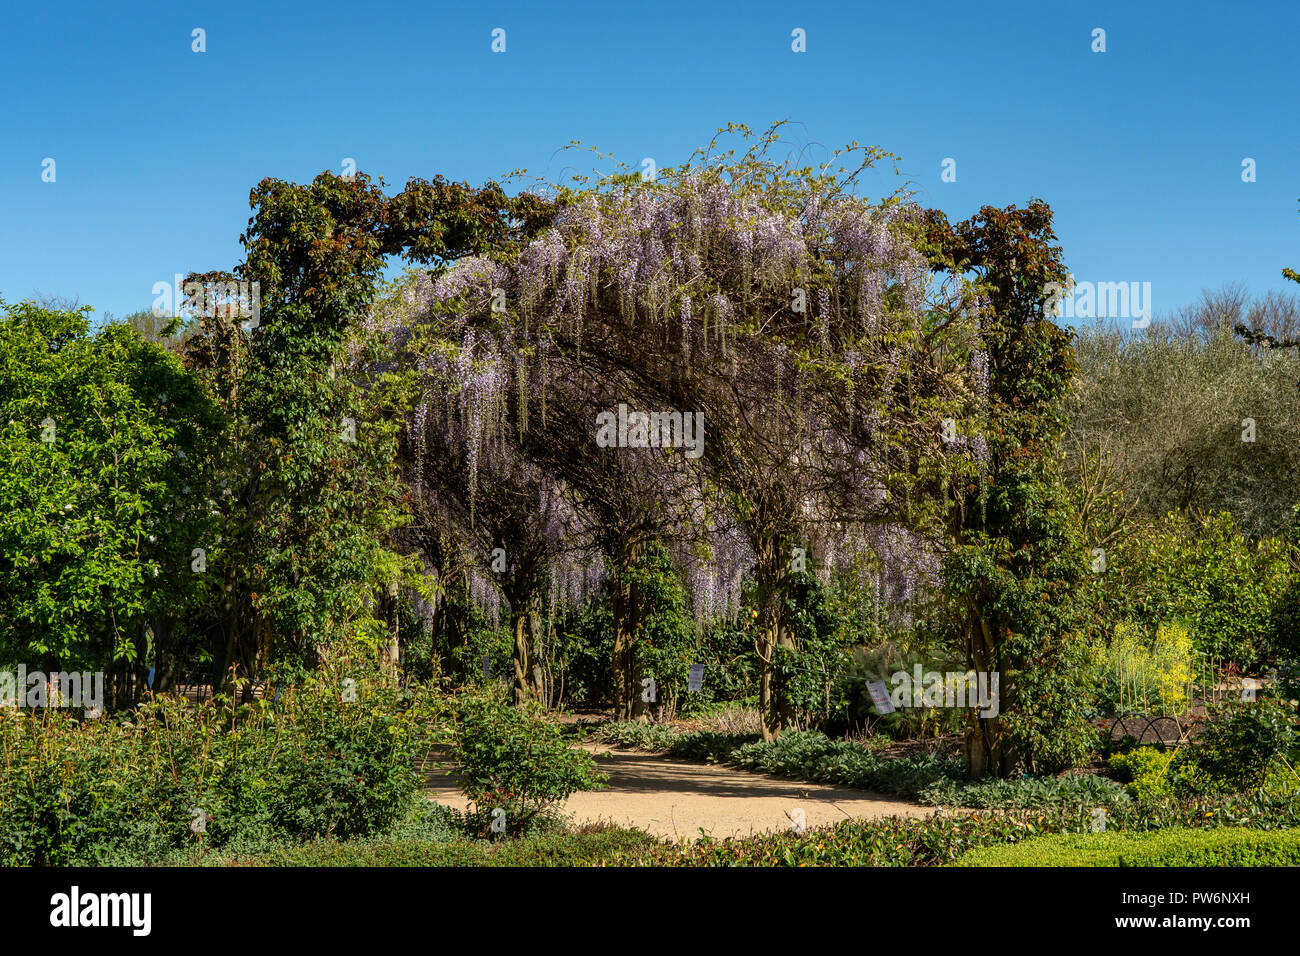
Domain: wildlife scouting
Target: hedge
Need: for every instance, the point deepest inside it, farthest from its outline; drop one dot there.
(1220, 846)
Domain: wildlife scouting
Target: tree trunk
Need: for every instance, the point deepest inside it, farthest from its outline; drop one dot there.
(390, 652)
(986, 748)
(624, 610)
(164, 674)
(620, 604)
(449, 621)
(772, 633)
(526, 617)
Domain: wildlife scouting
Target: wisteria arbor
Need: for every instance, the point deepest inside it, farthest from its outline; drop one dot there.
(796, 320)
(503, 421)
(481, 507)
(634, 498)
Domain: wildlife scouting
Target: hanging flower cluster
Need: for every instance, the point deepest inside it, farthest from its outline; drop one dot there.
(809, 302)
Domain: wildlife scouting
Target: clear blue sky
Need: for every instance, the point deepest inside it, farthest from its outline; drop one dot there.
(1138, 149)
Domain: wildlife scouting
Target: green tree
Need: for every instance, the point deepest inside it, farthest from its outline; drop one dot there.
(1193, 420)
(108, 454)
(1018, 558)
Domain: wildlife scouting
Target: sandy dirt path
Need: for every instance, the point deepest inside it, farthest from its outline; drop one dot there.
(676, 799)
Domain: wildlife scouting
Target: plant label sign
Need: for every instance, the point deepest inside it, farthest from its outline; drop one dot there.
(880, 697)
(696, 681)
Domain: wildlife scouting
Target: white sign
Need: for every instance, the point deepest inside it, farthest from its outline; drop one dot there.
(880, 697)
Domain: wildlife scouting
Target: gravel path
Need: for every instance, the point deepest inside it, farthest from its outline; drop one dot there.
(676, 799)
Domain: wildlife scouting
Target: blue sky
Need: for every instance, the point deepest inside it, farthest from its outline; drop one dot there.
(1138, 149)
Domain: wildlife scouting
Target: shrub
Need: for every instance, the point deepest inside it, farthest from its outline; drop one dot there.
(1027, 793)
(664, 644)
(80, 554)
(709, 746)
(1147, 678)
(912, 722)
(114, 790)
(1223, 846)
(1227, 591)
(638, 735)
(807, 755)
(1240, 740)
(345, 770)
(585, 636)
(1145, 770)
(512, 757)
(825, 621)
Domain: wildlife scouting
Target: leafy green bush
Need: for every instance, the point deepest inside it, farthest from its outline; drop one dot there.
(1223, 846)
(825, 622)
(102, 437)
(730, 664)
(456, 641)
(664, 642)
(808, 755)
(706, 746)
(1145, 770)
(1242, 743)
(585, 638)
(512, 757)
(1026, 793)
(922, 650)
(1240, 740)
(1227, 590)
(709, 746)
(109, 790)
(638, 735)
(346, 770)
